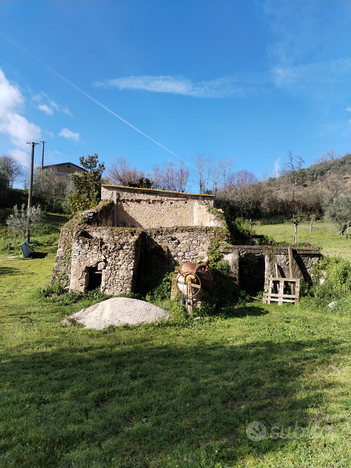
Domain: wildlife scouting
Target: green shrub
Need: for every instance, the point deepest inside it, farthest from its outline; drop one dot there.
(163, 289)
(57, 294)
(48, 229)
(336, 274)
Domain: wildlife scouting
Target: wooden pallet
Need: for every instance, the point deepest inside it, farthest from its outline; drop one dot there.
(276, 288)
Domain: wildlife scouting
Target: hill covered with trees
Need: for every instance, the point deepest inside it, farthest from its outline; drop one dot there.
(297, 191)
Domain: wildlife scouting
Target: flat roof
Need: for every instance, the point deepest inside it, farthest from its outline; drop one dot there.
(161, 192)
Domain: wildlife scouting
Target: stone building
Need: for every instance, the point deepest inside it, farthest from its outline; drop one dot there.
(64, 169)
(133, 234)
(150, 208)
(136, 233)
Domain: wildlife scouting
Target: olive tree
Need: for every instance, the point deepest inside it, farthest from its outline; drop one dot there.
(338, 210)
(24, 220)
(50, 187)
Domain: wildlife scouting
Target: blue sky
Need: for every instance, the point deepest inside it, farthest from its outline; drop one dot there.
(243, 79)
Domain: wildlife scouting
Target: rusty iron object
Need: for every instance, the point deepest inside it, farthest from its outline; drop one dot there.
(193, 278)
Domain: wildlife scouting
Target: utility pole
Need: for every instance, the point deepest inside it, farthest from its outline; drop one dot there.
(42, 155)
(30, 188)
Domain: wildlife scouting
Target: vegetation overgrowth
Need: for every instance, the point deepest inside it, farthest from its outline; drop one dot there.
(295, 191)
(174, 394)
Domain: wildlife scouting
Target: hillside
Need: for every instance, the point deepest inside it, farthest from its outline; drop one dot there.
(301, 193)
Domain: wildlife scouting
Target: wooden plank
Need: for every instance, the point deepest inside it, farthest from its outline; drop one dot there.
(279, 296)
(281, 291)
(291, 269)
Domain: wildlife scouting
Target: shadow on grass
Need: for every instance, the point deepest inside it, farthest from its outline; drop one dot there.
(248, 311)
(125, 402)
(38, 254)
(9, 271)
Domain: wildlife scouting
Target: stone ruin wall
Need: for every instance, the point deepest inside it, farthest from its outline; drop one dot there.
(152, 209)
(257, 263)
(124, 257)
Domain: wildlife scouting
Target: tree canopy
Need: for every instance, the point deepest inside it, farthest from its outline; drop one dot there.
(10, 170)
(86, 191)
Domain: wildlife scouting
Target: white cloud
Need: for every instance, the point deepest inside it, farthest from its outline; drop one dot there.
(20, 155)
(348, 109)
(219, 88)
(68, 134)
(45, 108)
(10, 96)
(12, 123)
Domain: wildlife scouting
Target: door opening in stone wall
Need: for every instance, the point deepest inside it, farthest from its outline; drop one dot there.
(155, 261)
(93, 278)
(252, 273)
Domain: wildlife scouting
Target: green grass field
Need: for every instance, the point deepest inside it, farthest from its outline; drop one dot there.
(180, 394)
(324, 235)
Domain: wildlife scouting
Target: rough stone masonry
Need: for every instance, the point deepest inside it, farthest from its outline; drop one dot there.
(134, 232)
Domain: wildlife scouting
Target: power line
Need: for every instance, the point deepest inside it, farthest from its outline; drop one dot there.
(96, 101)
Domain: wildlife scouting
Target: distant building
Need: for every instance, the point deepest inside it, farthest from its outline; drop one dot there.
(67, 168)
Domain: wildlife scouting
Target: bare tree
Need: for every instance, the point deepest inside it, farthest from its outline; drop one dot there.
(213, 176)
(171, 176)
(291, 169)
(225, 173)
(243, 178)
(205, 174)
(329, 155)
(122, 173)
(243, 192)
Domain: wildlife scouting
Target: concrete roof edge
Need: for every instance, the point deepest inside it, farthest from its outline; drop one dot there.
(151, 190)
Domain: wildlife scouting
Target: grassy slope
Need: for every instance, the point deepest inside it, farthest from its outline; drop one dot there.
(324, 235)
(167, 396)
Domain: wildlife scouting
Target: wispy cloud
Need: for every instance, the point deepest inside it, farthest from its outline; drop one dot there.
(65, 110)
(329, 72)
(240, 85)
(45, 108)
(348, 109)
(68, 134)
(219, 88)
(276, 171)
(47, 105)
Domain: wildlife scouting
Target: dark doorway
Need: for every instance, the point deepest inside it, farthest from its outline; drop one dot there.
(94, 278)
(251, 273)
